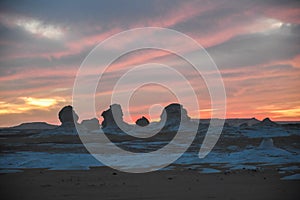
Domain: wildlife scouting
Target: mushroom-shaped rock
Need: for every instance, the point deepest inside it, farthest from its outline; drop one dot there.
(91, 124)
(143, 121)
(173, 114)
(67, 115)
(113, 117)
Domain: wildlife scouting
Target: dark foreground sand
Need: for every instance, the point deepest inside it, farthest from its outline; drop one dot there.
(105, 183)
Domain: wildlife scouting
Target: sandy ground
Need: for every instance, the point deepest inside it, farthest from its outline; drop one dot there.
(105, 183)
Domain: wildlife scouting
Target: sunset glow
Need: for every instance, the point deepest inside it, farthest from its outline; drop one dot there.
(255, 46)
(39, 102)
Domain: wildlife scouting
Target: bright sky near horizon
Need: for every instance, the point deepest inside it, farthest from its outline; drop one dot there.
(255, 44)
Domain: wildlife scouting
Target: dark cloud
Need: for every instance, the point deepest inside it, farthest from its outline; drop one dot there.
(258, 48)
(102, 13)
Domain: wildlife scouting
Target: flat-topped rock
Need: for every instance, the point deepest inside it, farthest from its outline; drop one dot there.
(91, 124)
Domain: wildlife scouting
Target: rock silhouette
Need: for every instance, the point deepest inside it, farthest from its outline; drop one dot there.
(173, 114)
(67, 116)
(113, 117)
(143, 121)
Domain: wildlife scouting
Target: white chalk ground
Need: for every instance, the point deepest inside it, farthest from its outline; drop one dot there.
(52, 161)
(291, 177)
(250, 158)
(270, 132)
(209, 171)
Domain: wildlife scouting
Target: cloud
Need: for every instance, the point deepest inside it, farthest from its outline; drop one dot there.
(18, 30)
(38, 28)
(258, 48)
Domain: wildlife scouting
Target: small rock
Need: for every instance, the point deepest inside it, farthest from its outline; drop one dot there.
(143, 121)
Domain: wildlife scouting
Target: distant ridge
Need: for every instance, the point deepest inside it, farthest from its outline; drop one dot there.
(235, 121)
(229, 121)
(287, 122)
(34, 125)
(267, 122)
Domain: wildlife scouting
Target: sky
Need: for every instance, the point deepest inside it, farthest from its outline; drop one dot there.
(255, 44)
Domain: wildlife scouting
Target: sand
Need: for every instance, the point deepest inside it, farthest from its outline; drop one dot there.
(106, 183)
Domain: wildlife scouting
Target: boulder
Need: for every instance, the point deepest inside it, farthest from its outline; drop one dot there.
(67, 116)
(173, 114)
(143, 121)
